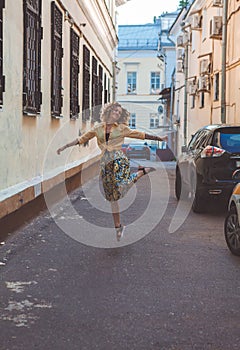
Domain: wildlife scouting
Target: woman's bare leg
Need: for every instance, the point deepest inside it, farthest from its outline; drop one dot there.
(116, 213)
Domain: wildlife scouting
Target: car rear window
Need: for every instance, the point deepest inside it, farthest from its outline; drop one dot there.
(228, 139)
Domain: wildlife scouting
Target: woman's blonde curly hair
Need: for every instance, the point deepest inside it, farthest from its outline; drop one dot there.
(107, 108)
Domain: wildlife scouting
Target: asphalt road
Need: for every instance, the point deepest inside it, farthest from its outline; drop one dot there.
(173, 286)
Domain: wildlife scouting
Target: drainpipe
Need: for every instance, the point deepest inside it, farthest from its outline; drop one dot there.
(224, 54)
(185, 96)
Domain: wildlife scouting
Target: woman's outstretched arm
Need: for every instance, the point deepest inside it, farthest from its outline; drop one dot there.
(156, 138)
(70, 144)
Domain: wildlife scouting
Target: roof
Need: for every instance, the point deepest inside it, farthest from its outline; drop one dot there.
(140, 37)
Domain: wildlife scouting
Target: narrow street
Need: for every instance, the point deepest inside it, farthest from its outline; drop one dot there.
(177, 290)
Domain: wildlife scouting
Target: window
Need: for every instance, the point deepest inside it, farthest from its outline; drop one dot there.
(132, 121)
(201, 99)
(100, 85)
(155, 82)
(192, 101)
(32, 96)
(2, 77)
(94, 87)
(105, 89)
(131, 82)
(154, 121)
(74, 75)
(56, 61)
(86, 83)
(216, 87)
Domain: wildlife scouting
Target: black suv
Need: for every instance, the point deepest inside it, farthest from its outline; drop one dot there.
(209, 167)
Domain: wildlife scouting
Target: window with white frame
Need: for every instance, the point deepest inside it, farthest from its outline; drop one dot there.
(132, 121)
(131, 82)
(155, 83)
(154, 121)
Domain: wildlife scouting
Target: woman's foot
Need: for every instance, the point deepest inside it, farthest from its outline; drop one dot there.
(145, 170)
(119, 232)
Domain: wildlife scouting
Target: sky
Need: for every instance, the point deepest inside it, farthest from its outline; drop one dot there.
(143, 11)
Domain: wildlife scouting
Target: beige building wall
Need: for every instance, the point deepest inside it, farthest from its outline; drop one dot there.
(204, 43)
(29, 143)
(144, 103)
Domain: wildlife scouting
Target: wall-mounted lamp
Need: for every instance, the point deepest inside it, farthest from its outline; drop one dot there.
(82, 24)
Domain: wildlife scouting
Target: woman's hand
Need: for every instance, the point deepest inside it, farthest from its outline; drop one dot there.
(165, 138)
(60, 150)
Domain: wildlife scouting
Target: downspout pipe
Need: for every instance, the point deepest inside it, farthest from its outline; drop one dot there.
(224, 55)
(185, 96)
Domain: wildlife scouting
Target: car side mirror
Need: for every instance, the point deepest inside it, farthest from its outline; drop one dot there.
(184, 149)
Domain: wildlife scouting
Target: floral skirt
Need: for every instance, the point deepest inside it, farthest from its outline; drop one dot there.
(115, 173)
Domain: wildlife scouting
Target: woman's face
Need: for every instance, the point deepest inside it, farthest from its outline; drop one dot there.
(115, 114)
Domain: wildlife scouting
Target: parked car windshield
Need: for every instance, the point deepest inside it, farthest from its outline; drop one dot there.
(228, 139)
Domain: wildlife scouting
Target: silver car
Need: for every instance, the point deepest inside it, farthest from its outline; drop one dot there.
(231, 226)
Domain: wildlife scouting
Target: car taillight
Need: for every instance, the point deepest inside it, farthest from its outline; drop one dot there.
(212, 151)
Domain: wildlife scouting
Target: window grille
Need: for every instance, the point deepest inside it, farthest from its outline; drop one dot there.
(32, 96)
(56, 61)
(94, 82)
(100, 85)
(105, 89)
(74, 75)
(86, 83)
(109, 93)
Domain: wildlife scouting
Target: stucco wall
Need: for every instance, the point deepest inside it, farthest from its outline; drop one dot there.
(29, 144)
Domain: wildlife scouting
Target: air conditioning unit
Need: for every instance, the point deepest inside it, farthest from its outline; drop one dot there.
(179, 66)
(203, 84)
(216, 27)
(217, 3)
(192, 88)
(204, 66)
(180, 54)
(180, 41)
(196, 21)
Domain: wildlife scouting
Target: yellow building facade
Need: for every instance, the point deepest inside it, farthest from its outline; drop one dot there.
(200, 96)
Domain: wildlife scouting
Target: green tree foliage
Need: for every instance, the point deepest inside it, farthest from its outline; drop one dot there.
(182, 4)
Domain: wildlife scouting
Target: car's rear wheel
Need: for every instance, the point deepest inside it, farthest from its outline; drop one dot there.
(232, 231)
(180, 190)
(198, 204)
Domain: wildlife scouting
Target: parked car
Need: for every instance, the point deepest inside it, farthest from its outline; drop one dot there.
(207, 167)
(137, 150)
(124, 147)
(231, 225)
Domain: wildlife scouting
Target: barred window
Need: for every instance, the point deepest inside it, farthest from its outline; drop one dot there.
(105, 89)
(94, 83)
(86, 83)
(32, 96)
(56, 61)
(100, 85)
(74, 75)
